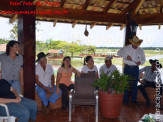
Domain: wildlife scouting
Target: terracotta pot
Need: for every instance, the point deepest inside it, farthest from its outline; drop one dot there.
(110, 104)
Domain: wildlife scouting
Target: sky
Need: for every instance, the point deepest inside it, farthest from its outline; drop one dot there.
(98, 36)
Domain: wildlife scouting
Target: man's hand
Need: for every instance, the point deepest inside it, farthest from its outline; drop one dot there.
(18, 99)
(129, 58)
(57, 91)
(138, 63)
(141, 81)
(48, 90)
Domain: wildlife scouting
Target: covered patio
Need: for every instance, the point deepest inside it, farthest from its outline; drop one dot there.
(122, 13)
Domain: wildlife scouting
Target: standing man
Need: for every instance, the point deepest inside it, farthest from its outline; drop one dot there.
(133, 56)
(108, 67)
(45, 82)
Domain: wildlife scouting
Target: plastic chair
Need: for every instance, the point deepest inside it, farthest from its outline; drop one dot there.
(84, 93)
(7, 118)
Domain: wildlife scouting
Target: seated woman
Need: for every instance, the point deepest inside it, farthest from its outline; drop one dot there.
(89, 66)
(20, 107)
(64, 79)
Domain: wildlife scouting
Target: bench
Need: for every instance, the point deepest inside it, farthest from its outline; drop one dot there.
(58, 103)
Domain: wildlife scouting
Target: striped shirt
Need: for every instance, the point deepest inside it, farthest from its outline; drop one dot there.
(10, 68)
(149, 75)
(44, 77)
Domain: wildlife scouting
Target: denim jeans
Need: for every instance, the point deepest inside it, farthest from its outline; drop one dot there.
(143, 90)
(16, 85)
(42, 94)
(134, 73)
(25, 110)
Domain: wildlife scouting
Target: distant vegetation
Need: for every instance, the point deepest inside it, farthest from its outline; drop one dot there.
(72, 48)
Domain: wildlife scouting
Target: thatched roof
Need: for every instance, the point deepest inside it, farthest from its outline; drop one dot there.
(96, 12)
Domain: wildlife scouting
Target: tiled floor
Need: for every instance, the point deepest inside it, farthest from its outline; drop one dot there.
(131, 113)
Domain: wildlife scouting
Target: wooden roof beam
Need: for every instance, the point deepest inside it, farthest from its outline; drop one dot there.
(62, 3)
(92, 25)
(127, 9)
(121, 28)
(74, 23)
(109, 5)
(136, 6)
(86, 4)
(75, 14)
(147, 19)
(13, 18)
(109, 25)
(123, 2)
(159, 26)
(161, 5)
(55, 22)
(4, 5)
(140, 27)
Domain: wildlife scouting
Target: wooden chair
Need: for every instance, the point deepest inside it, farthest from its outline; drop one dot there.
(84, 93)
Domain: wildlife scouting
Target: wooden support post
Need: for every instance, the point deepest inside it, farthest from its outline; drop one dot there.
(27, 38)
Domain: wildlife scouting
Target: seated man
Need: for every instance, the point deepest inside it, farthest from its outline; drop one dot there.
(20, 107)
(149, 78)
(108, 67)
(45, 82)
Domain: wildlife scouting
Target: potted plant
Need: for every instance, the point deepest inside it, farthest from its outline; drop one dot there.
(111, 89)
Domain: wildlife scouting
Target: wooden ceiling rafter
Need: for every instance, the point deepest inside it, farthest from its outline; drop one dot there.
(92, 24)
(74, 23)
(123, 2)
(108, 6)
(121, 28)
(140, 27)
(55, 22)
(147, 19)
(159, 26)
(62, 3)
(161, 6)
(109, 26)
(136, 6)
(86, 4)
(76, 14)
(13, 18)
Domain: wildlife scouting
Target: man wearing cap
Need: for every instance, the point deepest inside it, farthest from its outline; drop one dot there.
(108, 67)
(45, 82)
(149, 78)
(133, 56)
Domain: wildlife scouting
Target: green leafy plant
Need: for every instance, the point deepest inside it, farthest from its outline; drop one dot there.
(115, 83)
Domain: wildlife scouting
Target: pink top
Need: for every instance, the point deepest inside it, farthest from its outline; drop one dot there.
(66, 76)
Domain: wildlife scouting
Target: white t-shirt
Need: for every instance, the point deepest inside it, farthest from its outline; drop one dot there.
(44, 76)
(135, 54)
(106, 70)
(85, 69)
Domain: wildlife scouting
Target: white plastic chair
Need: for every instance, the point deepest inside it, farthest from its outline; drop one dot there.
(7, 118)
